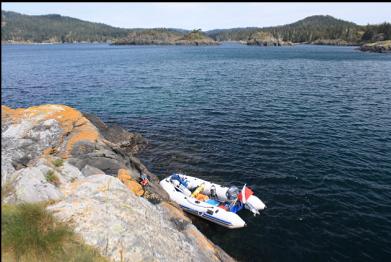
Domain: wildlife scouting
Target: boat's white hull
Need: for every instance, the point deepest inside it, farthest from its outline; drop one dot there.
(203, 209)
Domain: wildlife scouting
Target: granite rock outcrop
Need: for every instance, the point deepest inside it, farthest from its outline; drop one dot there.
(88, 174)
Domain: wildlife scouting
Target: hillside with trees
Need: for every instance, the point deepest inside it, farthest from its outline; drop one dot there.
(196, 37)
(16, 27)
(156, 36)
(162, 36)
(318, 29)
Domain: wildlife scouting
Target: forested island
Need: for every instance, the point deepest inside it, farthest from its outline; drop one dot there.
(318, 29)
(162, 36)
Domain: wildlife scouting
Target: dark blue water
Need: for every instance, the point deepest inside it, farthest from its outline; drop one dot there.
(308, 127)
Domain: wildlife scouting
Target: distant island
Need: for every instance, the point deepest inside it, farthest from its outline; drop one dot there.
(318, 30)
(165, 37)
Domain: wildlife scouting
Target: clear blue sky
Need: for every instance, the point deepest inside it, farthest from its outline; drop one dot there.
(205, 15)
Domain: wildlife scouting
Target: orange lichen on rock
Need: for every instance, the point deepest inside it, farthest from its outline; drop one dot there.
(85, 133)
(68, 117)
(72, 122)
(6, 111)
(34, 113)
(124, 177)
(48, 151)
(10, 114)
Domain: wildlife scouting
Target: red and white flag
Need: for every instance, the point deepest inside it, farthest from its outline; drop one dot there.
(245, 194)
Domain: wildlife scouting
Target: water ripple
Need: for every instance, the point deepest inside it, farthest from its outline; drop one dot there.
(308, 127)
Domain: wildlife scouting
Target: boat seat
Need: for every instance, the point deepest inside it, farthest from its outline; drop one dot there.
(212, 202)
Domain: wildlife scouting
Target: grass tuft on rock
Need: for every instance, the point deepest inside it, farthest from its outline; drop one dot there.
(52, 178)
(6, 189)
(58, 162)
(31, 233)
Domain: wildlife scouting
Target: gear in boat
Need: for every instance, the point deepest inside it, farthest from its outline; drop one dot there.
(212, 201)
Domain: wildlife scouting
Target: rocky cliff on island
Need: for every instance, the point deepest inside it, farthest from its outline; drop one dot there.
(87, 174)
(266, 39)
(377, 47)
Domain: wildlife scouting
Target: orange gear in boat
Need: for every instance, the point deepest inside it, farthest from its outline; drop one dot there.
(202, 197)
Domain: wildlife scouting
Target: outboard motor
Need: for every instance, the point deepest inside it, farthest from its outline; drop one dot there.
(254, 204)
(251, 202)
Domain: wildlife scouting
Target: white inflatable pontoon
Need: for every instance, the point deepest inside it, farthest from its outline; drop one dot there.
(211, 201)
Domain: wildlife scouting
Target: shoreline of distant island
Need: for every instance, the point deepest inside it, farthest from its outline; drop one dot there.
(316, 30)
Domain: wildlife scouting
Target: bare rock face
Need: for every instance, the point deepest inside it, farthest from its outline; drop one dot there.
(53, 152)
(39, 182)
(131, 143)
(30, 185)
(378, 47)
(29, 133)
(24, 140)
(69, 173)
(90, 170)
(122, 225)
(266, 39)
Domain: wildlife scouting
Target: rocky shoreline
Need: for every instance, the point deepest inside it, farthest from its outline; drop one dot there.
(266, 39)
(178, 42)
(377, 47)
(88, 174)
(336, 42)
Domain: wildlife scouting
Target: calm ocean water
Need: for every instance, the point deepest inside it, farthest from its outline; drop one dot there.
(308, 127)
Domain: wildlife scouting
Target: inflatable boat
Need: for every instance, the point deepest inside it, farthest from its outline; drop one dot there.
(211, 201)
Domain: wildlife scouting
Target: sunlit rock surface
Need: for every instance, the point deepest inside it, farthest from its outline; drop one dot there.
(91, 177)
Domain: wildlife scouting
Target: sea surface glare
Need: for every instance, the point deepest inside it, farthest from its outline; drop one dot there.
(307, 127)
